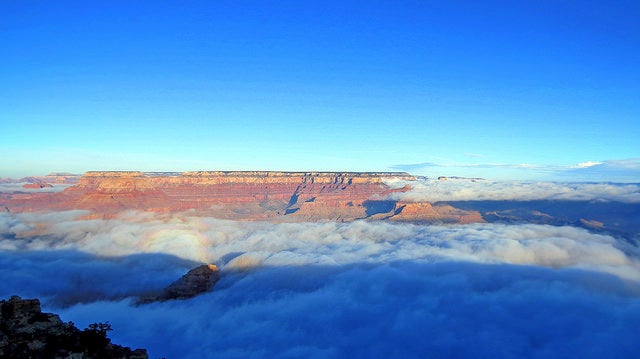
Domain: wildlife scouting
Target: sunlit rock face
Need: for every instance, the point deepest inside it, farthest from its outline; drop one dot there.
(197, 281)
(248, 195)
(36, 185)
(423, 211)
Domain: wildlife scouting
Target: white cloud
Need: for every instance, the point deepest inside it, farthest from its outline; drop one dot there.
(360, 289)
(587, 164)
(258, 244)
(466, 190)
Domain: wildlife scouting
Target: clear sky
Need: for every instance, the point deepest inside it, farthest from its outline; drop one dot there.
(502, 89)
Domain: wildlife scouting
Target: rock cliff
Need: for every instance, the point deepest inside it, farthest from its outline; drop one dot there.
(26, 332)
(247, 195)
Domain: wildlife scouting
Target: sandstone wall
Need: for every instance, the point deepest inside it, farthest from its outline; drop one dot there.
(252, 195)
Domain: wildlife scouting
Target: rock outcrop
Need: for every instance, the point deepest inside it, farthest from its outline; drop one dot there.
(197, 281)
(36, 185)
(421, 211)
(26, 332)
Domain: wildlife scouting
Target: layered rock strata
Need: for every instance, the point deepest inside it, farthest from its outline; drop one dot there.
(249, 195)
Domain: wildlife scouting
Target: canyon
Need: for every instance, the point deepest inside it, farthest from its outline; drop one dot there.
(238, 195)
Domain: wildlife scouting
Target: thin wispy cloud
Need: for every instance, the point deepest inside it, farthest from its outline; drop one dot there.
(587, 164)
(432, 165)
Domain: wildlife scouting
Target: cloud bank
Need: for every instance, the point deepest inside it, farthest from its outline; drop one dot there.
(466, 190)
(621, 170)
(239, 245)
(333, 289)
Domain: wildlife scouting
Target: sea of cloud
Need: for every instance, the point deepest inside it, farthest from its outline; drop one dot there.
(433, 190)
(360, 289)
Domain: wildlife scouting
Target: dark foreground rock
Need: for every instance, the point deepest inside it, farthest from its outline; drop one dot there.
(26, 332)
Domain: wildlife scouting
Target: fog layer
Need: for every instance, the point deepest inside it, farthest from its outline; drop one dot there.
(361, 289)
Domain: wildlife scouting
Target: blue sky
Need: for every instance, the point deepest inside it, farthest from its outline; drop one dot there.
(502, 90)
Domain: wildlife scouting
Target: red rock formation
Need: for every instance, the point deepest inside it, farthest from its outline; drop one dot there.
(36, 185)
(238, 195)
(61, 178)
(197, 281)
(424, 211)
(52, 178)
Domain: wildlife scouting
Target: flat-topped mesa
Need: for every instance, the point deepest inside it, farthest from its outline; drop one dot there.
(113, 174)
(290, 177)
(92, 178)
(115, 181)
(61, 178)
(248, 195)
(275, 192)
(289, 174)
